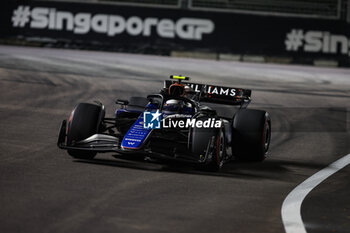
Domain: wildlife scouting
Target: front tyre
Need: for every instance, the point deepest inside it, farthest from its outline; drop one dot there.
(84, 121)
(218, 153)
(211, 143)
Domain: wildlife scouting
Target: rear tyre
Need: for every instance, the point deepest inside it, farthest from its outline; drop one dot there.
(84, 121)
(251, 134)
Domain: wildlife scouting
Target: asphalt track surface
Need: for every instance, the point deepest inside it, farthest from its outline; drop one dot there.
(42, 189)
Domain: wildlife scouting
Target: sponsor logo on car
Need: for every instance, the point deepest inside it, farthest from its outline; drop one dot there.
(216, 90)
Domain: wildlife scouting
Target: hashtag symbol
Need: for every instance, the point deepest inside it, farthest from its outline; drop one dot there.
(20, 16)
(294, 40)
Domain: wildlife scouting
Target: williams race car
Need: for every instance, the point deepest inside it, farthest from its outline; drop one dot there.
(173, 124)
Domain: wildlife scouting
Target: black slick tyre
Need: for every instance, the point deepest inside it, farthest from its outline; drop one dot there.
(218, 153)
(212, 141)
(251, 134)
(84, 122)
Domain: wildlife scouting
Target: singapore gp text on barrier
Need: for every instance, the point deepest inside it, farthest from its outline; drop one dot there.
(123, 27)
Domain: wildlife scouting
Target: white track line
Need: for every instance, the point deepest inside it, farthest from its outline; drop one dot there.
(291, 207)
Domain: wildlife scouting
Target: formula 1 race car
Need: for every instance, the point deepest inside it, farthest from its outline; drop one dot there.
(173, 124)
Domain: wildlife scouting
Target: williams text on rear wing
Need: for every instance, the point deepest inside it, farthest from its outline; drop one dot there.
(218, 94)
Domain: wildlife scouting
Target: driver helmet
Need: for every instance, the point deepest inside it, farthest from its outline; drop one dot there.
(172, 107)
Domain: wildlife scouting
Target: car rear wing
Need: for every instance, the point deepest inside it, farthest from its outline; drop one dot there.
(217, 94)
